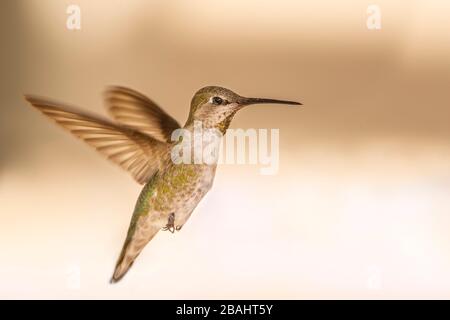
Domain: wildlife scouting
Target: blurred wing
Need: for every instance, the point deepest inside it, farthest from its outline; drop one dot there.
(133, 151)
(134, 110)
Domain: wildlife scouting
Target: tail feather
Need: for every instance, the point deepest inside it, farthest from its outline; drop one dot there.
(131, 249)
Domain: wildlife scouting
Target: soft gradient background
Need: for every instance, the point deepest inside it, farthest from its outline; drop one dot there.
(360, 207)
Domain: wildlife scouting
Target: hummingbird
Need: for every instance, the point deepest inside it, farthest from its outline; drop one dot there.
(138, 139)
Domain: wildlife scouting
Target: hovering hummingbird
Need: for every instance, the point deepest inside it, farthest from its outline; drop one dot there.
(140, 142)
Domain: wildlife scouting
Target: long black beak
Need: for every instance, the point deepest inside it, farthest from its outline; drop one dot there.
(248, 101)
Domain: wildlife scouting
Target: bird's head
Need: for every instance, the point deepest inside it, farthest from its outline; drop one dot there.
(216, 106)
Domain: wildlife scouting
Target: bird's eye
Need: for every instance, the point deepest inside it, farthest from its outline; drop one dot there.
(217, 100)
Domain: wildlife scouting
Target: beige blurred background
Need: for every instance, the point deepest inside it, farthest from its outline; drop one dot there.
(360, 207)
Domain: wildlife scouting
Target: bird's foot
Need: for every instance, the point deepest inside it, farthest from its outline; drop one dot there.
(170, 224)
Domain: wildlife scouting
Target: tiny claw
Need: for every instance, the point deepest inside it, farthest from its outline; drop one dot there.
(169, 228)
(170, 224)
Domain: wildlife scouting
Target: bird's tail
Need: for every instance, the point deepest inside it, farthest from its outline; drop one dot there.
(131, 249)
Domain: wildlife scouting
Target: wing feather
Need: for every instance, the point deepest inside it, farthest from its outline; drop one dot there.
(134, 151)
(134, 110)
